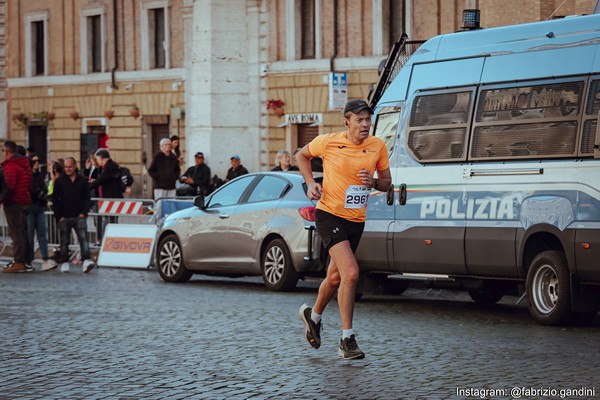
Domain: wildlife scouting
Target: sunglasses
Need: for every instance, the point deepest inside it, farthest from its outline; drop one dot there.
(35, 160)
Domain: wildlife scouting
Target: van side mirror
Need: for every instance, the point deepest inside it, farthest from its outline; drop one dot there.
(199, 202)
(402, 199)
(390, 195)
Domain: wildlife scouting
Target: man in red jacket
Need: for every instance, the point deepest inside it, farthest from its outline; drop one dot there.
(19, 181)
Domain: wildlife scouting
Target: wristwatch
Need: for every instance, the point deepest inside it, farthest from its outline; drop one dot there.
(375, 182)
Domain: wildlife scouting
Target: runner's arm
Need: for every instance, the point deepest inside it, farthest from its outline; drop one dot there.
(384, 180)
(303, 161)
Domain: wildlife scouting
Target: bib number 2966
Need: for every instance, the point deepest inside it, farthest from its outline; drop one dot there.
(356, 196)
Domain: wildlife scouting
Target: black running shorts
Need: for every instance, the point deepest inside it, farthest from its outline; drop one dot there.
(333, 230)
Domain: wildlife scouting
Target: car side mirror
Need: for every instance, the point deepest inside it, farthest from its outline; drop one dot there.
(199, 202)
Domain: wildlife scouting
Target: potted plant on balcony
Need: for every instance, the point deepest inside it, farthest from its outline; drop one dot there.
(276, 105)
(134, 111)
(109, 114)
(74, 115)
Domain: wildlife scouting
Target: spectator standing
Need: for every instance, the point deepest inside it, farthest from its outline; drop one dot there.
(36, 218)
(237, 169)
(176, 148)
(107, 184)
(164, 170)
(17, 173)
(71, 203)
(91, 172)
(283, 162)
(196, 179)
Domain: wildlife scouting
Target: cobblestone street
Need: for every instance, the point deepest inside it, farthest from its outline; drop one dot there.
(126, 334)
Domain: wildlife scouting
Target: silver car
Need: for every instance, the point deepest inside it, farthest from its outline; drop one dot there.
(257, 224)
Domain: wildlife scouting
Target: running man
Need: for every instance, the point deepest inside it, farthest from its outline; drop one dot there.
(350, 159)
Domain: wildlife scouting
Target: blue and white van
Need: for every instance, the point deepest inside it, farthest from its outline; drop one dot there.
(493, 137)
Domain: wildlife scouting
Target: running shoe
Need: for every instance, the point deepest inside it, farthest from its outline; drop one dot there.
(313, 335)
(349, 349)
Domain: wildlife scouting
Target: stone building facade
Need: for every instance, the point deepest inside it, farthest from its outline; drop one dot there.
(84, 74)
(77, 70)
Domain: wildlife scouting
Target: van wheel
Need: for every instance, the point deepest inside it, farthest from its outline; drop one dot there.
(279, 273)
(548, 288)
(488, 293)
(169, 260)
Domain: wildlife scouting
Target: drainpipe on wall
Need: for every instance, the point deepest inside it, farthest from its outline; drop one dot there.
(335, 42)
(115, 31)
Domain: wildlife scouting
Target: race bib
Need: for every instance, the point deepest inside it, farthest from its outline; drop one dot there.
(357, 196)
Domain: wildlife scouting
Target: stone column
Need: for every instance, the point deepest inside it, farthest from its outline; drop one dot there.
(224, 108)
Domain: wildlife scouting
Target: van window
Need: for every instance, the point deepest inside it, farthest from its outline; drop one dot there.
(438, 126)
(386, 126)
(537, 121)
(590, 120)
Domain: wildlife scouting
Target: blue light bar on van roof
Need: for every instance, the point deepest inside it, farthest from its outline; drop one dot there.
(471, 19)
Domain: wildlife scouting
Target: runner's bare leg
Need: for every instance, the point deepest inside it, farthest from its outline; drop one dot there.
(343, 274)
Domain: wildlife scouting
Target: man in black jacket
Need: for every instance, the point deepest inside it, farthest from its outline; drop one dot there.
(71, 203)
(109, 179)
(164, 171)
(196, 179)
(107, 185)
(36, 218)
(237, 169)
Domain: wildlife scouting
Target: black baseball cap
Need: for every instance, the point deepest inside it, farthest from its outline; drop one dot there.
(357, 105)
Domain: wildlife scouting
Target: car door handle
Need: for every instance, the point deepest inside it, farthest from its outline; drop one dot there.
(223, 216)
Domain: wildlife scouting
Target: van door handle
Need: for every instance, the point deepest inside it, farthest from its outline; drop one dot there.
(402, 199)
(223, 216)
(390, 195)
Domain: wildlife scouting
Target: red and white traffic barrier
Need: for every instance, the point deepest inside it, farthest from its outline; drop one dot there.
(122, 207)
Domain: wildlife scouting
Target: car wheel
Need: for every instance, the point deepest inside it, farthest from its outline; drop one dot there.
(169, 260)
(548, 288)
(488, 293)
(278, 271)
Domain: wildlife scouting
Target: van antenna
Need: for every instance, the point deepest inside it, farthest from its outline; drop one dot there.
(557, 8)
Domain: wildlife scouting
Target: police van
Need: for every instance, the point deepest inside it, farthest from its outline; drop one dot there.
(493, 138)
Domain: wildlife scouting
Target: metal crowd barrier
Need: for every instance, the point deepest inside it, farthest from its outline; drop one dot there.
(104, 211)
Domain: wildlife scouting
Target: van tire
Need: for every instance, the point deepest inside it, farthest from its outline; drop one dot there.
(548, 288)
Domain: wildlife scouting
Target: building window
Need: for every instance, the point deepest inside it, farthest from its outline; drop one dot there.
(396, 22)
(95, 43)
(36, 43)
(156, 19)
(303, 32)
(155, 34)
(92, 45)
(307, 24)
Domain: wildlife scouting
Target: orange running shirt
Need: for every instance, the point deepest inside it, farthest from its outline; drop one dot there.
(343, 192)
